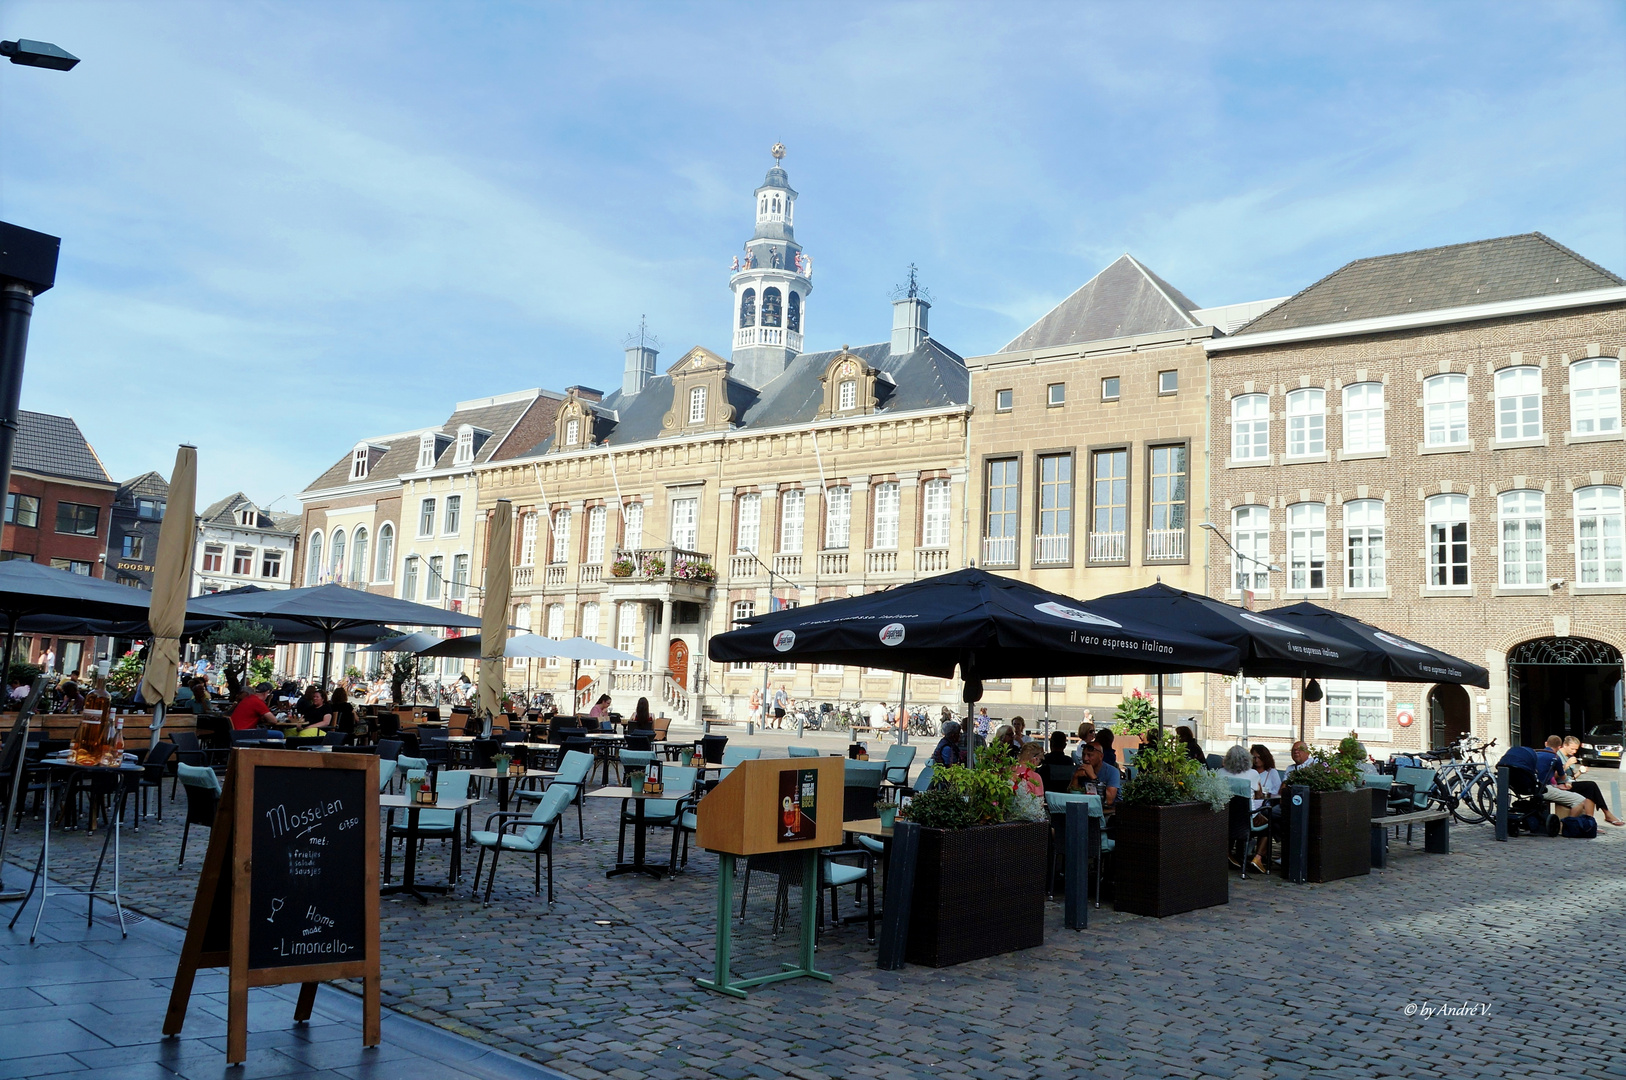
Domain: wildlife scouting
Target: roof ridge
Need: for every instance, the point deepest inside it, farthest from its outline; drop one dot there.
(1163, 288)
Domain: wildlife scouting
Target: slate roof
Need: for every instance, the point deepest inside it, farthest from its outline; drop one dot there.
(224, 513)
(54, 446)
(1459, 275)
(1123, 300)
(401, 457)
(929, 377)
(149, 485)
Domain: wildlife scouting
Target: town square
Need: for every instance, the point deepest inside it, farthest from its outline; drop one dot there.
(471, 610)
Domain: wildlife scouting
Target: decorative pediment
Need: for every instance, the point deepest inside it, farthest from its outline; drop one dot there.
(850, 386)
(577, 424)
(700, 398)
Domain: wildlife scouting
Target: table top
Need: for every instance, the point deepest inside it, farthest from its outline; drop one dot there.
(492, 774)
(628, 793)
(867, 827)
(403, 802)
(460, 738)
(58, 763)
(603, 735)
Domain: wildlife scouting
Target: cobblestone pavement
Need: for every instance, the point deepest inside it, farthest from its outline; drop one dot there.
(1285, 981)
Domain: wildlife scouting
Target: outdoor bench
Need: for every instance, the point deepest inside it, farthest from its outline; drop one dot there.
(1436, 833)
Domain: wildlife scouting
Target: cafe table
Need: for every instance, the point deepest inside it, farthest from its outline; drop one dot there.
(504, 777)
(640, 824)
(409, 876)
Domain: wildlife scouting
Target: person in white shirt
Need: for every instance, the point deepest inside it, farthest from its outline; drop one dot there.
(1301, 756)
(878, 720)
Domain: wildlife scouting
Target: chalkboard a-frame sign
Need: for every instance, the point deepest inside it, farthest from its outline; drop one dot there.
(289, 887)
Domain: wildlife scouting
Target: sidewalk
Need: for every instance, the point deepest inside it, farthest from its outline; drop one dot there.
(83, 1003)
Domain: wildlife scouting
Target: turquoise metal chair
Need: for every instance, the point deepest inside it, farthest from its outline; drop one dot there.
(678, 782)
(636, 759)
(1243, 828)
(573, 771)
(414, 768)
(801, 751)
(898, 760)
(202, 786)
(527, 833)
(386, 773)
(733, 755)
(436, 824)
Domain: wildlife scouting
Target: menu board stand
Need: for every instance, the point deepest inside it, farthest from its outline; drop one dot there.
(289, 887)
(775, 806)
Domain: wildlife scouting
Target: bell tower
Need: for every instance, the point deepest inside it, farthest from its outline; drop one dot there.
(770, 282)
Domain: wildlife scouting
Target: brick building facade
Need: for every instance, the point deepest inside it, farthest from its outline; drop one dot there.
(1432, 442)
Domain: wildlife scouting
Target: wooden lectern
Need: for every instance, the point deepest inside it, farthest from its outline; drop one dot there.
(771, 807)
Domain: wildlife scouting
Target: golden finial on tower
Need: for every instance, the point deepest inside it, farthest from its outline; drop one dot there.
(778, 151)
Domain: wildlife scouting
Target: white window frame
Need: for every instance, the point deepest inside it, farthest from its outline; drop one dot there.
(597, 519)
(1599, 521)
(361, 567)
(686, 523)
(633, 526)
(435, 579)
(1268, 700)
(742, 609)
(838, 517)
(426, 518)
(335, 555)
(847, 395)
(1518, 403)
(1595, 396)
(1444, 513)
(409, 578)
(453, 515)
(1056, 393)
(527, 540)
(1250, 427)
(697, 405)
(1522, 530)
(1307, 547)
(629, 633)
(573, 431)
(1364, 418)
(1365, 551)
(1361, 707)
(556, 629)
(589, 628)
(560, 552)
(936, 498)
(792, 519)
(1306, 422)
(748, 530)
(426, 452)
(358, 463)
(458, 587)
(384, 559)
(888, 508)
(1250, 532)
(313, 560)
(465, 445)
(1445, 410)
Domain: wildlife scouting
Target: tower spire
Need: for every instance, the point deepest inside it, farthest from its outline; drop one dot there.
(770, 282)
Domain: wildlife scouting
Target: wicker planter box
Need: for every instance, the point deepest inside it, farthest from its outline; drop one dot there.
(1169, 859)
(978, 892)
(1340, 835)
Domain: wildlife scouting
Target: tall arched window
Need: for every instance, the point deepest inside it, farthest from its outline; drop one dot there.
(793, 313)
(1250, 537)
(589, 626)
(770, 307)
(748, 308)
(386, 553)
(697, 405)
(1363, 543)
(336, 564)
(1599, 559)
(527, 541)
(1445, 410)
(358, 556)
(556, 628)
(1250, 427)
(1363, 418)
(1595, 396)
(313, 562)
(1307, 546)
(561, 536)
(1447, 541)
(1522, 517)
(1518, 403)
(1306, 423)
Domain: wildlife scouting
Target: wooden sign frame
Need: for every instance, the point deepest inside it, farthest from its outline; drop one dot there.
(217, 934)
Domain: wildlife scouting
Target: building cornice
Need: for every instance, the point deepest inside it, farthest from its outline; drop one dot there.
(1419, 319)
(74, 481)
(1085, 350)
(362, 487)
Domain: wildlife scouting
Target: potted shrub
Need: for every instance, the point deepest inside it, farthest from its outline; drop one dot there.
(654, 566)
(621, 567)
(1340, 823)
(1131, 720)
(979, 875)
(1170, 833)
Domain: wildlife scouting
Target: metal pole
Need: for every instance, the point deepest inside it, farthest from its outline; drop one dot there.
(1046, 724)
(903, 708)
(16, 309)
(1159, 703)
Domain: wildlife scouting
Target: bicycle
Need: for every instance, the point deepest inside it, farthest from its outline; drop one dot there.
(1465, 787)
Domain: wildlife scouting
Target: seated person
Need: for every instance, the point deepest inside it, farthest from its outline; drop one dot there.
(1027, 770)
(1058, 767)
(1587, 788)
(184, 701)
(1007, 738)
(1086, 735)
(1103, 739)
(1098, 776)
(1555, 789)
(1019, 731)
(948, 750)
(1058, 750)
(314, 712)
(251, 710)
(1300, 754)
(601, 707)
(1194, 749)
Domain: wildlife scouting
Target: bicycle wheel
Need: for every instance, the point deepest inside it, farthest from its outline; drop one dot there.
(1482, 793)
(1464, 808)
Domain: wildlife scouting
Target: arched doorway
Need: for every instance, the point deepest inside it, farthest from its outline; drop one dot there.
(1564, 686)
(677, 661)
(1449, 716)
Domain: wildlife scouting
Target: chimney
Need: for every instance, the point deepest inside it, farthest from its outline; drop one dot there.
(586, 393)
(908, 324)
(639, 370)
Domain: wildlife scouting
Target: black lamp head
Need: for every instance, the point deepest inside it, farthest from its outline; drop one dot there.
(41, 54)
(1312, 691)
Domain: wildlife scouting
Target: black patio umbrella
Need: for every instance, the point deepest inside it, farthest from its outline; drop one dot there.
(991, 627)
(1404, 660)
(328, 609)
(28, 589)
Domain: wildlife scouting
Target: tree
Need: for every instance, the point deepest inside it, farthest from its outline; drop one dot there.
(241, 638)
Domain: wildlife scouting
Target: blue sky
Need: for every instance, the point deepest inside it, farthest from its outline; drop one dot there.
(287, 226)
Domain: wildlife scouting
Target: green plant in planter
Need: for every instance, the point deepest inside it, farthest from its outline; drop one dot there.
(621, 568)
(988, 786)
(1337, 770)
(1165, 775)
(1135, 715)
(941, 808)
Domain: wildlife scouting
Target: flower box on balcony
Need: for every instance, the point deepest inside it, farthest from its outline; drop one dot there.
(621, 568)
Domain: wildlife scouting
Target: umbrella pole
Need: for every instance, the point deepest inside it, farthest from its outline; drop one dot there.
(1159, 702)
(327, 657)
(903, 710)
(11, 641)
(1046, 724)
(1301, 710)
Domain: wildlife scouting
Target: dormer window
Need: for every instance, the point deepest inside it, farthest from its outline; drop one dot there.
(848, 394)
(246, 518)
(465, 445)
(573, 431)
(697, 405)
(426, 452)
(359, 463)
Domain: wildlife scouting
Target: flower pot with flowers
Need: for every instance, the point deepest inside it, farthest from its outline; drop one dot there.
(1339, 823)
(621, 567)
(693, 570)
(653, 566)
(1170, 834)
(1135, 716)
(979, 874)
